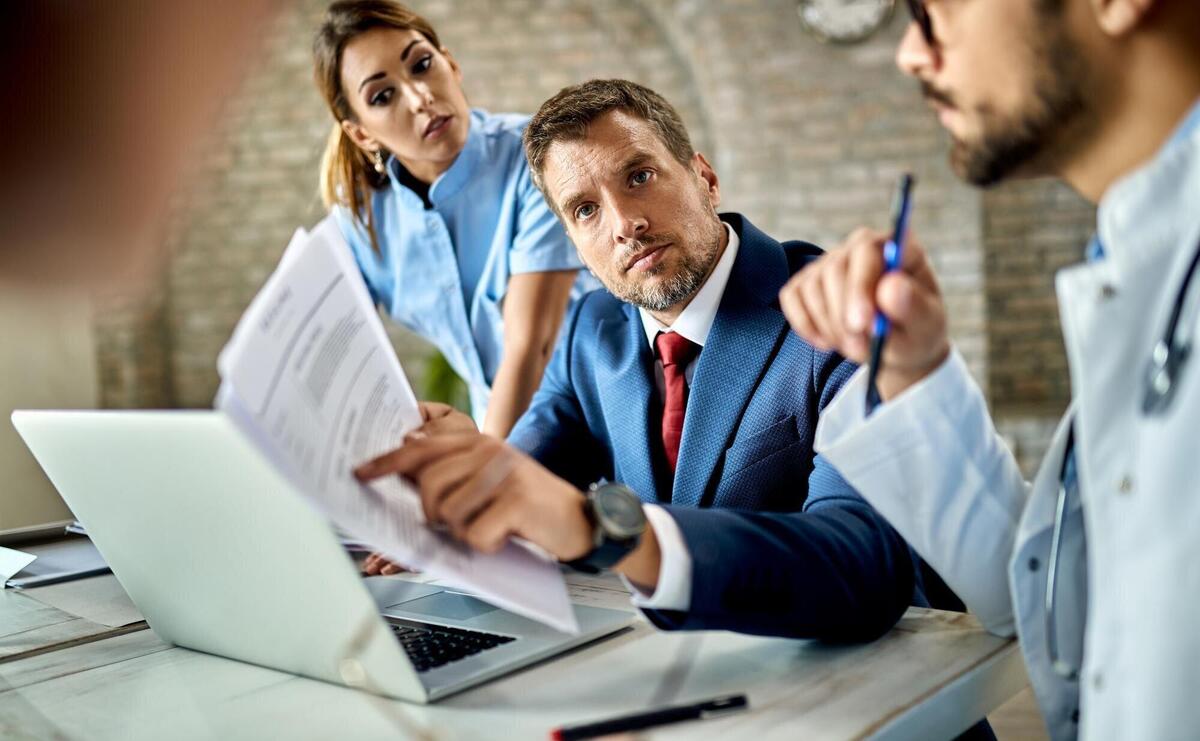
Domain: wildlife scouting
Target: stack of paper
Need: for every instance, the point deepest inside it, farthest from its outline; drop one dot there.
(311, 379)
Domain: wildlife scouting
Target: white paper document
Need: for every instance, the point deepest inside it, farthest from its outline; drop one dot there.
(12, 562)
(311, 378)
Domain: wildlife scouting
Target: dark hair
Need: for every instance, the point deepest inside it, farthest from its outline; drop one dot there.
(348, 174)
(567, 115)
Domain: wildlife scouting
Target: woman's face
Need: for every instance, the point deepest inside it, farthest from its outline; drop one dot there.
(407, 98)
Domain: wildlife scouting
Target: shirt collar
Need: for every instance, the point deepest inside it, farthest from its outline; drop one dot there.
(452, 180)
(464, 166)
(1153, 208)
(696, 319)
(1190, 123)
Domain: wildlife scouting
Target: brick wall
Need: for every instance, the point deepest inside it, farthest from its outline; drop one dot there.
(1030, 231)
(807, 138)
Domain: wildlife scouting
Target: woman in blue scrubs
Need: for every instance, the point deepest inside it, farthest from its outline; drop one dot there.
(435, 199)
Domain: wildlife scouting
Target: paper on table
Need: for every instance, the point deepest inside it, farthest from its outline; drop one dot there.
(310, 376)
(12, 562)
(62, 559)
(599, 590)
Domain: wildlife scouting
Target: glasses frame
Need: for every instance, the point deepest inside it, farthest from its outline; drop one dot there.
(920, 16)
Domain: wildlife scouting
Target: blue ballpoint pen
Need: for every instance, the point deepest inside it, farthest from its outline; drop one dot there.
(893, 251)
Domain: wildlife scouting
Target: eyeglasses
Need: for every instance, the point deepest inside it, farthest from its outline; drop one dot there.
(920, 16)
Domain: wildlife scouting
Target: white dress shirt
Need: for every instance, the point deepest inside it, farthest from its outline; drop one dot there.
(674, 590)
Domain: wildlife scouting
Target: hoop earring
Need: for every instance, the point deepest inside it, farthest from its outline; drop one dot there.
(379, 166)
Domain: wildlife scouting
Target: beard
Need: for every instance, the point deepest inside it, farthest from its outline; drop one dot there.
(1031, 140)
(693, 265)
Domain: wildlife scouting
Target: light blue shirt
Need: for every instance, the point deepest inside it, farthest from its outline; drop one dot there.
(443, 272)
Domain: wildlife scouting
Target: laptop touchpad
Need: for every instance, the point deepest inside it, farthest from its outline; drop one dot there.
(446, 605)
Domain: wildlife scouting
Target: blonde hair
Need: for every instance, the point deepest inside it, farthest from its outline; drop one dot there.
(348, 176)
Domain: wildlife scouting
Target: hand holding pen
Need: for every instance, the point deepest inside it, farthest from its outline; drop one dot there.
(893, 251)
(833, 302)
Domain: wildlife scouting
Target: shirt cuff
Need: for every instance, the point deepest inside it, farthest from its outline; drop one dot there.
(674, 590)
(854, 442)
(930, 462)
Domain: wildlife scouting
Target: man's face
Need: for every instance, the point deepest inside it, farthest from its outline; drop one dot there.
(643, 222)
(1007, 82)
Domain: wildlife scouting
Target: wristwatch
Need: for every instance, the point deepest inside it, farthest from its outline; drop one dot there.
(617, 520)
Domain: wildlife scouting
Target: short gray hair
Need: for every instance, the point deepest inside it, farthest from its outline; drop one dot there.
(567, 115)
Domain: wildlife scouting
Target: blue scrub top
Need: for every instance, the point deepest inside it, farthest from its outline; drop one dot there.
(443, 272)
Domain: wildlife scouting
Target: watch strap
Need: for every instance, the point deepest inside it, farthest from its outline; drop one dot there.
(602, 557)
(608, 551)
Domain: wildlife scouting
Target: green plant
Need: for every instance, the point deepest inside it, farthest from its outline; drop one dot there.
(441, 383)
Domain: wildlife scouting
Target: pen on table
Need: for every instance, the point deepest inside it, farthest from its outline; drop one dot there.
(893, 251)
(702, 710)
(29, 582)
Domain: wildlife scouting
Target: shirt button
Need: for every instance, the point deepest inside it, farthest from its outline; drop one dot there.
(1075, 715)
(1126, 485)
(1097, 681)
(1034, 564)
(1107, 291)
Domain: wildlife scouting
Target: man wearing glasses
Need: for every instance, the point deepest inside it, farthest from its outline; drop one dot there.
(1096, 564)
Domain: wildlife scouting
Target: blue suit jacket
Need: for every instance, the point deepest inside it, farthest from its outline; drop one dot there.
(780, 543)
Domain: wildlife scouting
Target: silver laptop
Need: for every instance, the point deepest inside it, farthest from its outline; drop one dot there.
(222, 555)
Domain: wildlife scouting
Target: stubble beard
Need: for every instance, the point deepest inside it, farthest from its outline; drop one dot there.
(694, 265)
(1032, 141)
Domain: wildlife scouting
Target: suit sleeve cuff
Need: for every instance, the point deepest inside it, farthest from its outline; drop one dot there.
(674, 590)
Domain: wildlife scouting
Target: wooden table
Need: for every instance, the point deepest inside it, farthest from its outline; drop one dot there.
(28, 627)
(932, 676)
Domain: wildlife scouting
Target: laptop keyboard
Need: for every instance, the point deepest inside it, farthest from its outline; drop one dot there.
(431, 646)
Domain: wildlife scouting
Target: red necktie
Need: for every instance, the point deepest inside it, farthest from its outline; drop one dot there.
(675, 351)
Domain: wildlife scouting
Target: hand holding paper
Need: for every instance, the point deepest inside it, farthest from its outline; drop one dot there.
(311, 378)
(487, 492)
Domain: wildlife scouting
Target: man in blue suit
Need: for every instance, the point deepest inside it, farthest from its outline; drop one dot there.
(682, 389)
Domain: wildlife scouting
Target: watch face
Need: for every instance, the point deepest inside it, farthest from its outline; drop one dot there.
(619, 511)
(844, 21)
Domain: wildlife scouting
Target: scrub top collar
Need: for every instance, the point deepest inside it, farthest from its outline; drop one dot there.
(449, 182)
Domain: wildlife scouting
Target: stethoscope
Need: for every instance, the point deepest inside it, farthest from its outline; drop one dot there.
(1171, 352)
(1163, 375)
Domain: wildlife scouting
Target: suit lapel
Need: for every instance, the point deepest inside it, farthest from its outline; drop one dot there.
(744, 337)
(625, 381)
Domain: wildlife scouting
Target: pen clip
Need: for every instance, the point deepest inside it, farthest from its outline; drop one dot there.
(723, 706)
